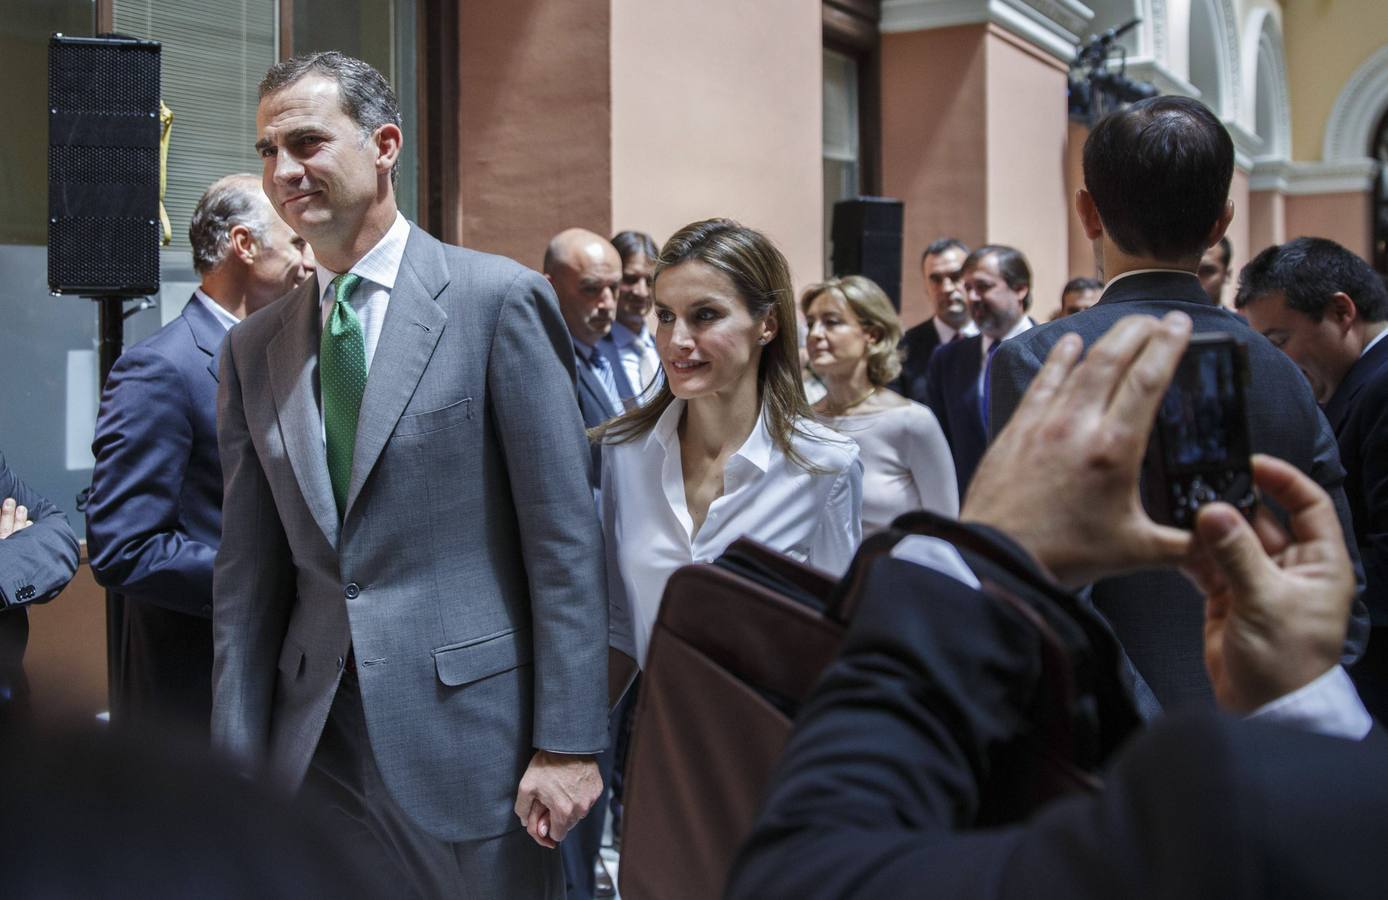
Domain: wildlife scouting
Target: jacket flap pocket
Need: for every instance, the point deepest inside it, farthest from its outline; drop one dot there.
(435, 419)
(291, 657)
(474, 660)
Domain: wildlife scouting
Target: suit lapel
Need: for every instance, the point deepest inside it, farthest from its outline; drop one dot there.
(293, 359)
(409, 333)
(208, 333)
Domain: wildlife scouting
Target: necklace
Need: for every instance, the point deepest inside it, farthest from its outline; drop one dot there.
(859, 402)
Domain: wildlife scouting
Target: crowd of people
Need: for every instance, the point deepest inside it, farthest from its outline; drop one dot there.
(392, 521)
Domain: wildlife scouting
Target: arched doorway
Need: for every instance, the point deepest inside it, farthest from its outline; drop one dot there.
(1379, 151)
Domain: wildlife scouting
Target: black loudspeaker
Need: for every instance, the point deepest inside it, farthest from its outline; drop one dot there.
(103, 166)
(866, 235)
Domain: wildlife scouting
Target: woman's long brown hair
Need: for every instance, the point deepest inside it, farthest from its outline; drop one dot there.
(762, 278)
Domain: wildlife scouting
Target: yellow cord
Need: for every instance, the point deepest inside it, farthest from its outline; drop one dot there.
(166, 118)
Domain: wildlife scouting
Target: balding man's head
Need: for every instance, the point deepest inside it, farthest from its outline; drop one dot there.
(586, 272)
(246, 255)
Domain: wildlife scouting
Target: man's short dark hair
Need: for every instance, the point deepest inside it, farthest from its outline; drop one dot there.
(632, 243)
(940, 245)
(1226, 249)
(1307, 271)
(1012, 266)
(1159, 173)
(1081, 284)
(366, 96)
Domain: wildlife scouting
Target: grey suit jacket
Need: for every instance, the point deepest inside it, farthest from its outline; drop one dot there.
(466, 576)
(1158, 615)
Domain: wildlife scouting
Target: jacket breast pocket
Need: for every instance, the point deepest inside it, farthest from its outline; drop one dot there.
(470, 661)
(450, 416)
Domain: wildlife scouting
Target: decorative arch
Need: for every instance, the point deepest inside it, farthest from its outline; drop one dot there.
(1362, 103)
(1266, 110)
(1213, 58)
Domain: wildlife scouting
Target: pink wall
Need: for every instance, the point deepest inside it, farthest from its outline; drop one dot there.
(1267, 223)
(1341, 217)
(1026, 153)
(933, 134)
(535, 123)
(716, 111)
(1081, 249)
(1239, 230)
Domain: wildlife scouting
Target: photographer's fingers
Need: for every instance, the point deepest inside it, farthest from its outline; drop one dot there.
(1144, 383)
(1311, 514)
(1042, 391)
(1233, 548)
(1097, 378)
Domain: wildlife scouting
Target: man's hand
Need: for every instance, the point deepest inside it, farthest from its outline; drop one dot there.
(1276, 606)
(555, 793)
(1062, 477)
(13, 517)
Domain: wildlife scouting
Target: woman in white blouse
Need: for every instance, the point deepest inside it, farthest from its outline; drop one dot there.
(853, 334)
(728, 447)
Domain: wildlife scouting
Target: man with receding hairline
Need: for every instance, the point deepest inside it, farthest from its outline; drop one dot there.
(155, 510)
(410, 613)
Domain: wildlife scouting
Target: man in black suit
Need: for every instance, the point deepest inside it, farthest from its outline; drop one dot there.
(38, 556)
(154, 519)
(1328, 311)
(878, 792)
(1156, 194)
(941, 266)
(997, 281)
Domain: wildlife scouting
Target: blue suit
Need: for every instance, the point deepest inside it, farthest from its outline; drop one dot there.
(952, 394)
(1358, 411)
(35, 565)
(154, 519)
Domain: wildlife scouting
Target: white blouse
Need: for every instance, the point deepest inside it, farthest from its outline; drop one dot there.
(906, 463)
(649, 533)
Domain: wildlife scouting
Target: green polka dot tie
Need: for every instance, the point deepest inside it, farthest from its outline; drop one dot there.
(342, 375)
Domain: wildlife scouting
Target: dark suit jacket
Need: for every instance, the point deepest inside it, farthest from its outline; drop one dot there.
(1159, 615)
(918, 344)
(35, 565)
(608, 348)
(952, 394)
(594, 405)
(1358, 412)
(878, 792)
(155, 514)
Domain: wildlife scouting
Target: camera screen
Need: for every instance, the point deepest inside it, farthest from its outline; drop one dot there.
(1196, 409)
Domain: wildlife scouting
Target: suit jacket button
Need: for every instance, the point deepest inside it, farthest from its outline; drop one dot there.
(352, 592)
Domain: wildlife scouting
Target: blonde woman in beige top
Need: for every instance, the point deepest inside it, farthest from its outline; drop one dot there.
(852, 340)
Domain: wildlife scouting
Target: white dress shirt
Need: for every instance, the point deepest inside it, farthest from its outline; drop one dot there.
(636, 350)
(649, 533)
(378, 270)
(219, 312)
(947, 333)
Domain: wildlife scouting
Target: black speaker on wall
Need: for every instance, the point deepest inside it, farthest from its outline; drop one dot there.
(866, 235)
(103, 166)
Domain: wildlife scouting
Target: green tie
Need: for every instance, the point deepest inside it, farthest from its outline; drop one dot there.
(342, 374)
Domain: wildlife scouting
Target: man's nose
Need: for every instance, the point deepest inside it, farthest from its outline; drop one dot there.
(287, 168)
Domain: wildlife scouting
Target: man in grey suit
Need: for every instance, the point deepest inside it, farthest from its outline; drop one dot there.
(1156, 178)
(409, 618)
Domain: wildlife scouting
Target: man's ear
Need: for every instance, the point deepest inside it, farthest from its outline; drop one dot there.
(1342, 309)
(241, 244)
(1089, 214)
(1221, 224)
(388, 141)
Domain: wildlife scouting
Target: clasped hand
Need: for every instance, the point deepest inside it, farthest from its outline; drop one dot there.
(556, 792)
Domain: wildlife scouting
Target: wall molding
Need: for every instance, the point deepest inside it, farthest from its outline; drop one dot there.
(1053, 25)
(1350, 176)
(1361, 104)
